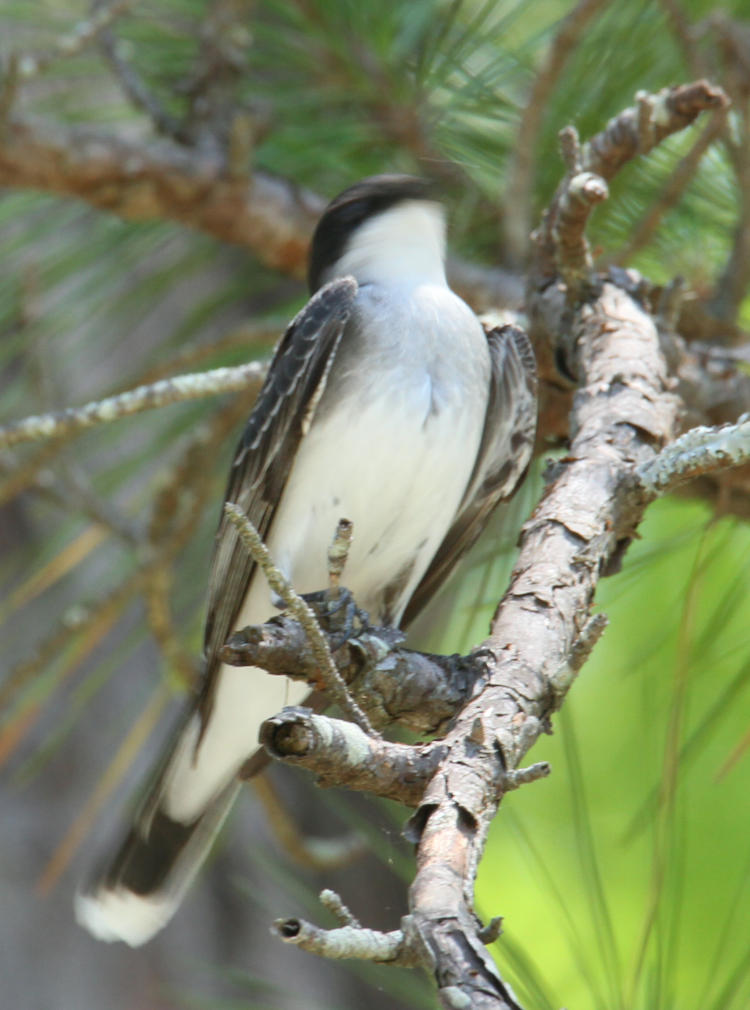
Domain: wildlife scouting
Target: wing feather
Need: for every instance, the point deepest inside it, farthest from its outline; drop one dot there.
(280, 419)
(505, 452)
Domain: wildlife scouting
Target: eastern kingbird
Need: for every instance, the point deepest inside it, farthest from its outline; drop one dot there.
(386, 403)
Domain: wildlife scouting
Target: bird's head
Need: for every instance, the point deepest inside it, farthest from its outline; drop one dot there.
(385, 229)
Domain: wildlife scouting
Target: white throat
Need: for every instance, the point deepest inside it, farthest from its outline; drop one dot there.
(403, 245)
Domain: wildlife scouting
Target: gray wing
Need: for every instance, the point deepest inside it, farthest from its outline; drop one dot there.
(505, 452)
(280, 419)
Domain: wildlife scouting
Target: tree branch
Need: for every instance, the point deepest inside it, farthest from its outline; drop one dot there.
(635, 131)
(697, 452)
(142, 181)
(517, 198)
(342, 755)
(394, 684)
(327, 675)
(84, 33)
(159, 394)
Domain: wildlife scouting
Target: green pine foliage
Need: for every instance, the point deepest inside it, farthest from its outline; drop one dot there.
(623, 877)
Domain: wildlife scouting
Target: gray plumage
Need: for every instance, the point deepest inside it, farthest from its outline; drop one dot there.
(386, 403)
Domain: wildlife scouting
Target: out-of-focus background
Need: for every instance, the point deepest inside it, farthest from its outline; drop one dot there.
(623, 878)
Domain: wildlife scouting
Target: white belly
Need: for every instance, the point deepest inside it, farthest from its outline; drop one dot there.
(395, 459)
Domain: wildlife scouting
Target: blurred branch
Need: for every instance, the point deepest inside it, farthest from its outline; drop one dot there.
(132, 84)
(733, 42)
(685, 35)
(159, 394)
(142, 181)
(314, 853)
(84, 33)
(517, 209)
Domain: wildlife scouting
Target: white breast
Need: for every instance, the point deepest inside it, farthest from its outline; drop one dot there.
(391, 447)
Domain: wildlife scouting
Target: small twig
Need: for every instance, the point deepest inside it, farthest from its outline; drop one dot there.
(646, 104)
(351, 940)
(159, 394)
(699, 451)
(635, 131)
(338, 554)
(333, 902)
(347, 942)
(334, 683)
(492, 931)
(75, 41)
(517, 777)
(8, 90)
(671, 110)
(583, 192)
(570, 149)
(135, 88)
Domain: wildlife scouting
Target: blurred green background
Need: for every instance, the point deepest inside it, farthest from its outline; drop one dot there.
(622, 877)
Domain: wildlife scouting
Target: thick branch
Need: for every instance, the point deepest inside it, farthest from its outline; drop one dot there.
(142, 181)
(623, 413)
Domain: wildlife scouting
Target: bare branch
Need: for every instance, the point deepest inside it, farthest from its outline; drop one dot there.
(670, 110)
(84, 33)
(623, 413)
(634, 131)
(679, 179)
(341, 755)
(139, 181)
(416, 689)
(347, 942)
(133, 86)
(160, 394)
(697, 452)
(520, 180)
(583, 192)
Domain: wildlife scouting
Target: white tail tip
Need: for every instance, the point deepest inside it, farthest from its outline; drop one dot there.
(123, 915)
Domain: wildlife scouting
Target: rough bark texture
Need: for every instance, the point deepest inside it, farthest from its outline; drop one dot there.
(637, 385)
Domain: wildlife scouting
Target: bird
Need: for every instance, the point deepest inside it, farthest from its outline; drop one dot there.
(387, 402)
